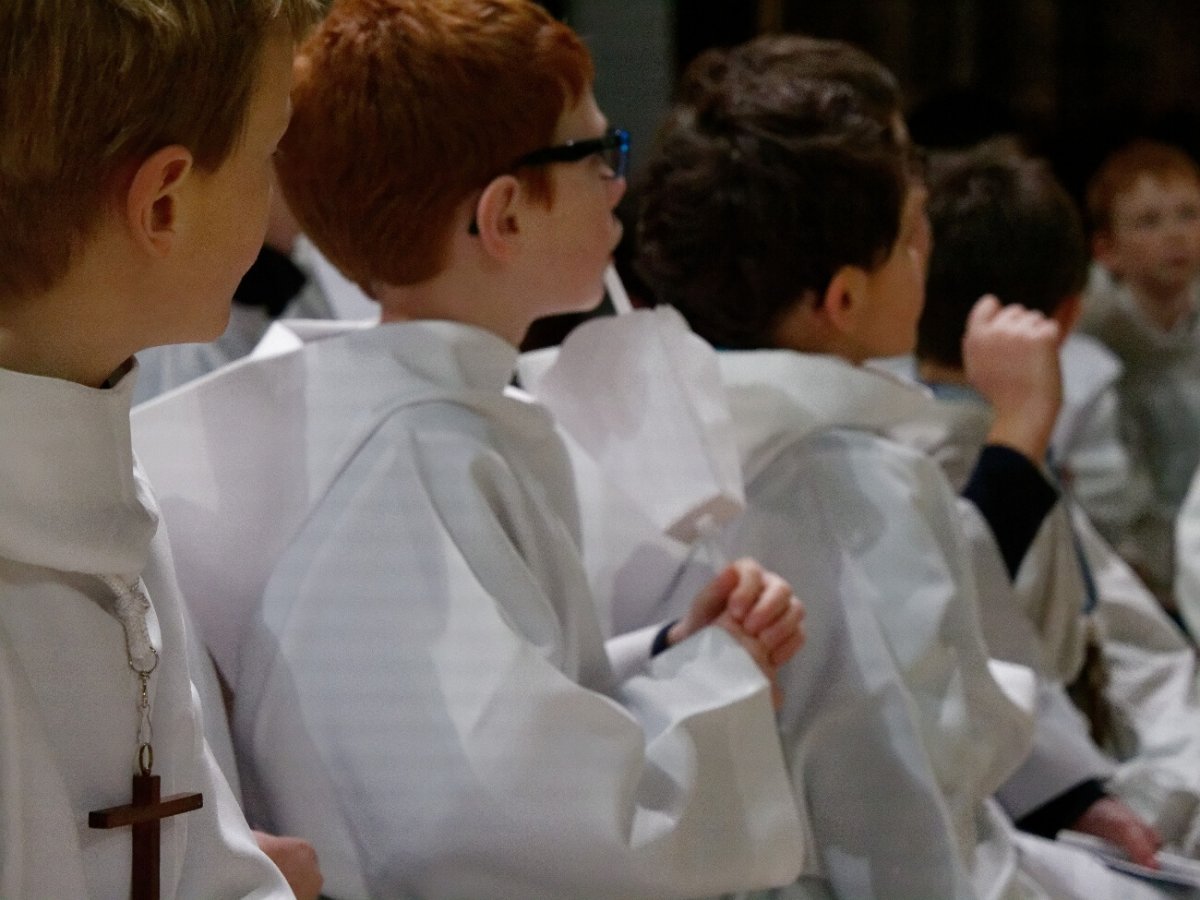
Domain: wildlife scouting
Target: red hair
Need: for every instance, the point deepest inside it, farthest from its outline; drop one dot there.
(1121, 171)
(402, 108)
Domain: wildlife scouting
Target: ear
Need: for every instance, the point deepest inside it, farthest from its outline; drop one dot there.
(497, 217)
(1067, 314)
(844, 302)
(152, 201)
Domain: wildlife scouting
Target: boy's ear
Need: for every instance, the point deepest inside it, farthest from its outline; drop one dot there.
(496, 216)
(152, 202)
(845, 299)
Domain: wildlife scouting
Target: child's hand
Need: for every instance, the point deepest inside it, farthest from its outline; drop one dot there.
(1010, 355)
(297, 860)
(756, 606)
(1111, 819)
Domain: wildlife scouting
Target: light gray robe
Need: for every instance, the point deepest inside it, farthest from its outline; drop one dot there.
(1159, 394)
(74, 506)
(422, 687)
(1151, 667)
(845, 513)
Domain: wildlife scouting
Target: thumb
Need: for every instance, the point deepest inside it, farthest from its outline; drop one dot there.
(712, 599)
(985, 309)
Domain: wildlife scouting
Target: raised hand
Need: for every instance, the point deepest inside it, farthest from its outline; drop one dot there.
(1010, 355)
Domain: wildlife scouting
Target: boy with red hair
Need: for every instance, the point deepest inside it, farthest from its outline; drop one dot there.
(421, 685)
(1144, 205)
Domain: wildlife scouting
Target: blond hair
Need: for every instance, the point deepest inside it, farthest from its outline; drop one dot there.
(88, 87)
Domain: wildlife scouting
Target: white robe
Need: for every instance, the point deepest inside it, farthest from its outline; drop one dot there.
(921, 710)
(327, 294)
(422, 686)
(1088, 450)
(1187, 556)
(1151, 667)
(1159, 394)
(817, 427)
(74, 506)
(846, 709)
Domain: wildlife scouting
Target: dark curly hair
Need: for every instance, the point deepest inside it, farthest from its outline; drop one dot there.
(780, 163)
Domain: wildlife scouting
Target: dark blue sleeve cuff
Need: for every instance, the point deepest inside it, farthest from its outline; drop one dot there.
(1063, 811)
(1014, 498)
(660, 640)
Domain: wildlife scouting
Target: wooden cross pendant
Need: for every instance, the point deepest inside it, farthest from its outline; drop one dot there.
(144, 815)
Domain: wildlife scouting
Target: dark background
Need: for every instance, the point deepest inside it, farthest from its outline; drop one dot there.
(1075, 78)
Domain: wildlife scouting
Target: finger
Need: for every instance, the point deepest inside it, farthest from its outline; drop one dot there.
(711, 600)
(1049, 329)
(1012, 315)
(983, 311)
(1140, 843)
(786, 651)
(773, 602)
(747, 589)
(782, 629)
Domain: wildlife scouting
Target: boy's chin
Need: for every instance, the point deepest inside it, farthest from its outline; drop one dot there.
(202, 329)
(584, 304)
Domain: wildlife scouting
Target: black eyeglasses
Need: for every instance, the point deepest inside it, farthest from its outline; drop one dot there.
(612, 147)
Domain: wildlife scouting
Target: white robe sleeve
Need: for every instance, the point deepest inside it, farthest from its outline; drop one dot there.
(1051, 591)
(1187, 558)
(430, 658)
(1152, 692)
(1014, 627)
(893, 684)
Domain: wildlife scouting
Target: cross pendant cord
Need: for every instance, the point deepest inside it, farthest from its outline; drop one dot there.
(148, 808)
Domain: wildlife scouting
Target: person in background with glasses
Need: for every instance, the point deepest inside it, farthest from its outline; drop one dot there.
(421, 687)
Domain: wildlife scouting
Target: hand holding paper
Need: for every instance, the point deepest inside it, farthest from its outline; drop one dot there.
(1111, 819)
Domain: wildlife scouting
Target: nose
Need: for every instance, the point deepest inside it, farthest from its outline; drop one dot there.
(616, 190)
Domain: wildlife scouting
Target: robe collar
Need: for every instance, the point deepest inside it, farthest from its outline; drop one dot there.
(781, 396)
(448, 355)
(1139, 341)
(71, 498)
(968, 417)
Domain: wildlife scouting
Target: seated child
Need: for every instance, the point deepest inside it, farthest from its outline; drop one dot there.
(779, 217)
(1144, 205)
(135, 148)
(422, 687)
(1002, 224)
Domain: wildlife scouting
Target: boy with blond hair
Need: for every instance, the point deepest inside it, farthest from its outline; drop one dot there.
(421, 683)
(135, 147)
(1144, 206)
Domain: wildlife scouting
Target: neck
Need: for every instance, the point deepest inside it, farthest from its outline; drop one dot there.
(805, 330)
(1165, 308)
(931, 372)
(455, 296)
(54, 336)
(90, 321)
